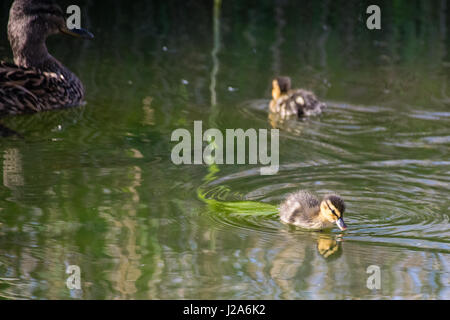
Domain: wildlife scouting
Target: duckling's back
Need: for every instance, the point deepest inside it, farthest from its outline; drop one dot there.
(305, 103)
(299, 208)
(299, 102)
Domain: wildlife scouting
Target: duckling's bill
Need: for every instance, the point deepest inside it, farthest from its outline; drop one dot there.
(341, 224)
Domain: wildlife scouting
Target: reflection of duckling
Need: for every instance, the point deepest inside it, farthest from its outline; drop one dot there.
(304, 210)
(327, 247)
(297, 102)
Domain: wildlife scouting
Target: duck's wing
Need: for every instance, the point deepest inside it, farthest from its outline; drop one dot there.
(12, 75)
(22, 90)
(17, 100)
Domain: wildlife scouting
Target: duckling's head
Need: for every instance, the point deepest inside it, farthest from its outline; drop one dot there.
(280, 86)
(30, 23)
(332, 208)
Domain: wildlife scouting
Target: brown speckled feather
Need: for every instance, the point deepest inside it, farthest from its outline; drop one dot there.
(28, 90)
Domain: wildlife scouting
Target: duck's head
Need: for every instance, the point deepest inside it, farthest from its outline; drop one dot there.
(332, 209)
(31, 22)
(280, 85)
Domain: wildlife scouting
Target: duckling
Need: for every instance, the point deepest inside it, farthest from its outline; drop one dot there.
(303, 209)
(37, 81)
(297, 102)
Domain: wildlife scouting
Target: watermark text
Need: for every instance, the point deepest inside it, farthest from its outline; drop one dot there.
(229, 149)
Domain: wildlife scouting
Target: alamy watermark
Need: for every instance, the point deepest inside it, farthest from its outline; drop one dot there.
(221, 149)
(374, 280)
(74, 20)
(74, 280)
(374, 21)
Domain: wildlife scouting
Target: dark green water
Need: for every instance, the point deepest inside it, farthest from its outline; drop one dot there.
(95, 186)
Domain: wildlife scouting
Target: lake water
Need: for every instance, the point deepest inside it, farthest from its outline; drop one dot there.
(95, 186)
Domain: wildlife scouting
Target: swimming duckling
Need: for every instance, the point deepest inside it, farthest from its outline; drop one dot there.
(37, 81)
(297, 102)
(303, 209)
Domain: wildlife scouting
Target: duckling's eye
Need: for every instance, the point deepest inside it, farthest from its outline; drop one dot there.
(333, 211)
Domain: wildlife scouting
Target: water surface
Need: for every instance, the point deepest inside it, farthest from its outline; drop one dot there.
(95, 186)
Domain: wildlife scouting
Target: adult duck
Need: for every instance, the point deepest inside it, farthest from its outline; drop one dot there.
(37, 81)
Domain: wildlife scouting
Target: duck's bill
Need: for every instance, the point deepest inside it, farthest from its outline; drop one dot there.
(79, 33)
(341, 224)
